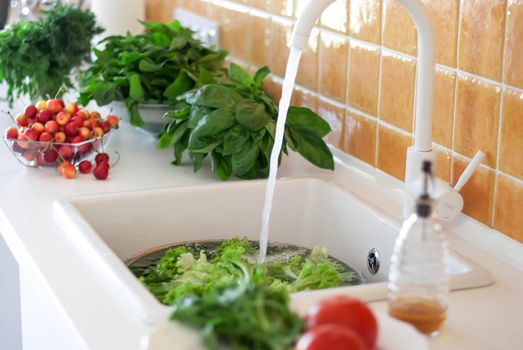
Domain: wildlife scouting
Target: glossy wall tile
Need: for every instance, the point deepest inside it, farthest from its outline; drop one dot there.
(359, 73)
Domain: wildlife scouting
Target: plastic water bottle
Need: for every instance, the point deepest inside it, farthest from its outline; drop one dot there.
(418, 279)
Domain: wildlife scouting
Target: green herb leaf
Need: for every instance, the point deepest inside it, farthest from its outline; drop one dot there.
(134, 113)
(104, 93)
(239, 76)
(260, 76)
(182, 84)
(221, 165)
(148, 66)
(136, 89)
(244, 160)
(234, 140)
(251, 115)
(171, 137)
(216, 96)
(312, 148)
(304, 119)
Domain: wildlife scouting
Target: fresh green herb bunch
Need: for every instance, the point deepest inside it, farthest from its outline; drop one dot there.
(234, 121)
(37, 58)
(250, 316)
(152, 68)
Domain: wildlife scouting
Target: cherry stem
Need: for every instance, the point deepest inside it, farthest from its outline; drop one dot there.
(117, 160)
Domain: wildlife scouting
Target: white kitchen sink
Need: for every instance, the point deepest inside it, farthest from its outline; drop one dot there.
(106, 229)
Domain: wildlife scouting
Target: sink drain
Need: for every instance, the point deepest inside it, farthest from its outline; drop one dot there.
(373, 261)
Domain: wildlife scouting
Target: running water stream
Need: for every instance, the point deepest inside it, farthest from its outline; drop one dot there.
(285, 102)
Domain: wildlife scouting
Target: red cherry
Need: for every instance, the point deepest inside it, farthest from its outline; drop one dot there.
(101, 172)
(106, 127)
(113, 120)
(32, 134)
(78, 121)
(50, 156)
(31, 111)
(101, 157)
(55, 105)
(66, 152)
(44, 116)
(29, 155)
(11, 133)
(51, 126)
(85, 167)
(71, 129)
(22, 120)
(45, 137)
(78, 139)
(67, 170)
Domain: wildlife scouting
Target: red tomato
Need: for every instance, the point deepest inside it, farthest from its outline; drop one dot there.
(346, 312)
(331, 337)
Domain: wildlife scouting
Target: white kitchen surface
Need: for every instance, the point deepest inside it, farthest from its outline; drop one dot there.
(64, 305)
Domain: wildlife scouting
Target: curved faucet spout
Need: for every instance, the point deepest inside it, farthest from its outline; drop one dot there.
(424, 85)
(422, 149)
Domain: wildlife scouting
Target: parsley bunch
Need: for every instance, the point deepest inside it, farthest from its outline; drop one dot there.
(37, 58)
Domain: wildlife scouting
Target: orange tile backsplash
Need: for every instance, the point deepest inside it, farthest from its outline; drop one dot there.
(477, 118)
(514, 49)
(481, 37)
(392, 151)
(397, 74)
(365, 20)
(333, 66)
(359, 74)
(364, 69)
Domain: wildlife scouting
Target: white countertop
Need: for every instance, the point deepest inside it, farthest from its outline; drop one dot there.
(485, 318)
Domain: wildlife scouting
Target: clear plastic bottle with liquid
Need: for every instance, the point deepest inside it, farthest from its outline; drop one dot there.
(418, 278)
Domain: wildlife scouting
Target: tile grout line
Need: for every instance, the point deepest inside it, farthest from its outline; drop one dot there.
(347, 92)
(500, 116)
(380, 76)
(456, 77)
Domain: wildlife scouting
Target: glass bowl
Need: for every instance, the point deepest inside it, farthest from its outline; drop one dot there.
(36, 154)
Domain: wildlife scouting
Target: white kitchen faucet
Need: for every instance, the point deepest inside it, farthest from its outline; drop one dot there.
(449, 203)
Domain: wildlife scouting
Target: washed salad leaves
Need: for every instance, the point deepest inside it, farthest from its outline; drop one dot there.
(38, 58)
(151, 68)
(233, 122)
(185, 271)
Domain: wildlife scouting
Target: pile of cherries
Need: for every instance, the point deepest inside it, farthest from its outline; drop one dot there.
(51, 133)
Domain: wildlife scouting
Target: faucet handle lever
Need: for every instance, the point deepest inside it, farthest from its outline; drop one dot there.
(469, 171)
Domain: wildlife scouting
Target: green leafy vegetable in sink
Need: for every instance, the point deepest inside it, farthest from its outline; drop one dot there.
(249, 316)
(187, 271)
(150, 68)
(37, 58)
(234, 122)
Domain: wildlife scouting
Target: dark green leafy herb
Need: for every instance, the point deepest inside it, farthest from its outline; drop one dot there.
(251, 317)
(234, 122)
(153, 68)
(37, 58)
